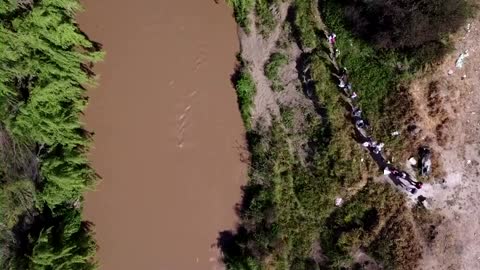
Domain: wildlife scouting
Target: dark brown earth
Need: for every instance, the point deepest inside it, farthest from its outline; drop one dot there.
(168, 132)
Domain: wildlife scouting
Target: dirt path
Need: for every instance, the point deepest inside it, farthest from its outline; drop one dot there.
(256, 51)
(168, 132)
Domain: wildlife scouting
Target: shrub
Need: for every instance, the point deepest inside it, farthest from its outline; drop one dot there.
(15, 199)
(304, 24)
(273, 67)
(265, 17)
(241, 9)
(245, 87)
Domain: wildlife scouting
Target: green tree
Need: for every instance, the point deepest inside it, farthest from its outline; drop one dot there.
(68, 245)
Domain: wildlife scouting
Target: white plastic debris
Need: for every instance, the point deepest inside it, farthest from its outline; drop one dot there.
(338, 201)
(395, 133)
(468, 27)
(469, 162)
(461, 59)
(450, 72)
(361, 160)
(412, 161)
(386, 171)
(464, 76)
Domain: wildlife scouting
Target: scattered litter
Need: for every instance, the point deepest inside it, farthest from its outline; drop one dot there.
(425, 161)
(366, 144)
(338, 201)
(469, 162)
(361, 160)
(450, 72)
(412, 161)
(461, 59)
(468, 27)
(386, 171)
(464, 76)
(395, 133)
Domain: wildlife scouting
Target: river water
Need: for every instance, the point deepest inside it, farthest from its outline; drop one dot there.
(168, 132)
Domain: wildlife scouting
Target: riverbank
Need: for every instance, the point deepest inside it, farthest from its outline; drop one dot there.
(168, 136)
(315, 197)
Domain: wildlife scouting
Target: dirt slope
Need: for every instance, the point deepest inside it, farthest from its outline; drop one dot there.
(256, 51)
(449, 107)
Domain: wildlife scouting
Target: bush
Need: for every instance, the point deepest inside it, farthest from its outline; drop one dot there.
(273, 67)
(241, 9)
(245, 87)
(265, 18)
(304, 24)
(15, 199)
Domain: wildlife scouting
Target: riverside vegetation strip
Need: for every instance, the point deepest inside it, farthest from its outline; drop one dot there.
(307, 156)
(45, 65)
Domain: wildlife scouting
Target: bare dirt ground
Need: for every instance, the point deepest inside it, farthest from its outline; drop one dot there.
(256, 50)
(449, 110)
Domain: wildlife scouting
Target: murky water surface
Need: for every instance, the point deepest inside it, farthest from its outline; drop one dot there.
(168, 132)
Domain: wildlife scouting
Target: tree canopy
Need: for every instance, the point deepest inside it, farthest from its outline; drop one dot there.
(45, 65)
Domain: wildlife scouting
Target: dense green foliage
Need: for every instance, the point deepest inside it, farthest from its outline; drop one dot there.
(245, 88)
(265, 11)
(380, 76)
(241, 10)
(45, 66)
(265, 17)
(64, 245)
(304, 24)
(273, 67)
(416, 30)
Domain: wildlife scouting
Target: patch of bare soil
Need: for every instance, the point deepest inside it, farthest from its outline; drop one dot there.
(256, 50)
(448, 104)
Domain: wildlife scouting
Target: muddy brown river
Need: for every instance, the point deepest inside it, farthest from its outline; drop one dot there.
(168, 132)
